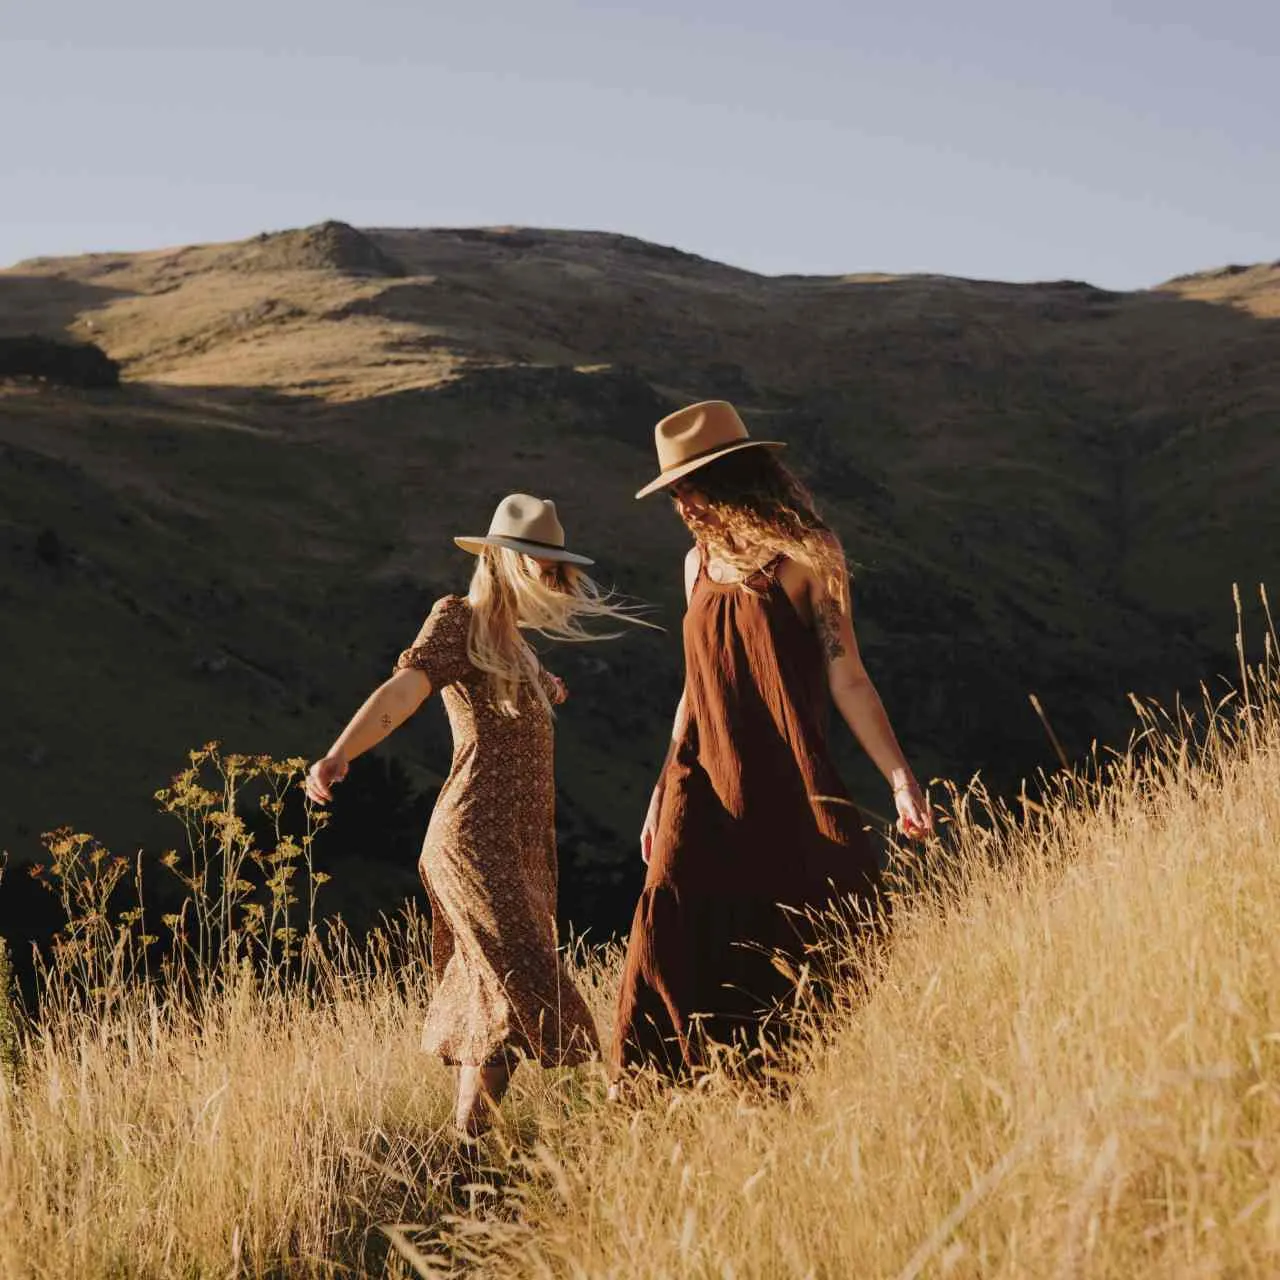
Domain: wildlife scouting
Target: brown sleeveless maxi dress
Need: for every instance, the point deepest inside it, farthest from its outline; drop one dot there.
(755, 825)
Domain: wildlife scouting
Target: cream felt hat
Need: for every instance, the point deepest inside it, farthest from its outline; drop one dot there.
(693, 436)
(527, 524)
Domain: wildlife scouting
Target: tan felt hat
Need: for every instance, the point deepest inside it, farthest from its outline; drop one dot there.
(530, 525)
(701, 433)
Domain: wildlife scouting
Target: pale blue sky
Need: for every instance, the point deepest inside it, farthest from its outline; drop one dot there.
(1018, 139)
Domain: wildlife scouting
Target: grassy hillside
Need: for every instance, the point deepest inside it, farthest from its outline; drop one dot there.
(1068, 1067)
(1067, 1064)
(1046, 488)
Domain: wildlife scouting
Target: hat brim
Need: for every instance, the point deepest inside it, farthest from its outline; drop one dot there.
(678, 473)
(538, 550)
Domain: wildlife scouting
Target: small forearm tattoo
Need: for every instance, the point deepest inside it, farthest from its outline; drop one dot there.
(829, 619)
(387, 721)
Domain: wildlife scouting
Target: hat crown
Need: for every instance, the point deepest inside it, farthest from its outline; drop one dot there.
(696, 430)
(694, 437)
(530, 519)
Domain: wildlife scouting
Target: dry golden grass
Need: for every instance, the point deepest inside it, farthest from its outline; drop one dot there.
(8, 1023)
(257, 1132)
(243, 1099)
(1068, 1065)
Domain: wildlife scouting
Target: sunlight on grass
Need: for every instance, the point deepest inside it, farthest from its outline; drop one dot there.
(1067, 1063)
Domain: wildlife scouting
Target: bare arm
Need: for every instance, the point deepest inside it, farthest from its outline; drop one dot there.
(677, 726)
(384, 711)
(691, 566)
(857, 700)
(677, 731)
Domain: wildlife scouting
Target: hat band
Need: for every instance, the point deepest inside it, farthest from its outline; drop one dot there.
(533, 542)
(703, 453)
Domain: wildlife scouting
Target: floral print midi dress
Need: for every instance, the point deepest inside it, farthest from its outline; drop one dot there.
(489, 866)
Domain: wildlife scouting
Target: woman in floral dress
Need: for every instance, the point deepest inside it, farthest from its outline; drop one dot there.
(489, 859)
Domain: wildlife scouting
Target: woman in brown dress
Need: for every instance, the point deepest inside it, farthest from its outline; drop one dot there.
(489, 859)
(750, 826)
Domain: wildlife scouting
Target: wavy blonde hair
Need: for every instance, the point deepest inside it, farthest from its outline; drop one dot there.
(510, 593)
(755, 506)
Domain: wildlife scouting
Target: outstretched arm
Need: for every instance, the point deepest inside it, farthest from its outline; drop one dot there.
(858, 702)
(384, 711)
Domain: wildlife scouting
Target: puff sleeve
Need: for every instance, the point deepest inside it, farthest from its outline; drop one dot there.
(552, 687)
(440, 650)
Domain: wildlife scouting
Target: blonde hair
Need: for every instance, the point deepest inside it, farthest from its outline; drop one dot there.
(755, 504)
(510, 593)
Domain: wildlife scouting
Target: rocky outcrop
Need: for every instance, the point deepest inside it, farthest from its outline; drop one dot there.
(328, 246)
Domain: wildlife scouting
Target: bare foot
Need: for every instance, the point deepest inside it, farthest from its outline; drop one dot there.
(480, 1093)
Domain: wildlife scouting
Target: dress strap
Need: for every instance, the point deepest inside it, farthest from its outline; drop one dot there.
(768, 570)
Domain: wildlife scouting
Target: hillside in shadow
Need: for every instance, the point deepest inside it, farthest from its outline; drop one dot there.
(1044, 488)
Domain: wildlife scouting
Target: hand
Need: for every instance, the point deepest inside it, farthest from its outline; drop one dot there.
(914, 819)
(559, 690)
(650, 828)
(323, 776)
